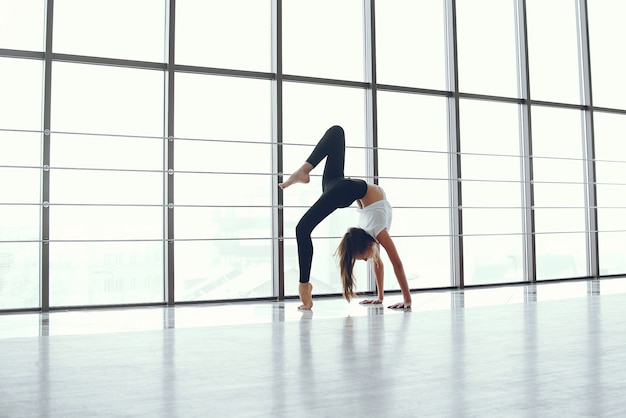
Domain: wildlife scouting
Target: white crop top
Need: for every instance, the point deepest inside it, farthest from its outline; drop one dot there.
(375, 217)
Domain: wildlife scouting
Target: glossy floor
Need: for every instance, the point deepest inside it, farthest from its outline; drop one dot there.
(545, 350)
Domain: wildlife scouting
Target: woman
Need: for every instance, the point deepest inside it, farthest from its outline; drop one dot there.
(358, 243)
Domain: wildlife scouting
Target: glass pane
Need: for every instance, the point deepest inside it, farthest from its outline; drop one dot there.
(222, 108)
(105, 187)
(416, 126)
(559, 220)
(410, 43)
(209, 270)
(127, 29)
(490, 146)
(105, 99)
(611, 172)
(423, 193)
(610, 149)
(557, 146)
(223, 223)
(492, 221)
(21, 84)
(490, 128)
(431, 221)
(19, 266)
(227, 34)
(223, 156)
(612, 219)
(324, 39)
(487, 47)
(553, 50)
(22, 25)
(19, 261)
(491, 194)
(218, 110)
(426, 262)
(20, 185)
(412, 164)
(412, 122)
(101, 273)
(309, 110)
(223, 189)
(20, 149)
(556, 132)
(559, 193)
(491, 167)
(105, 223)
(606, 35)
(493, 259)
(560, 256)
(106, 152)
(19, 222)
(611, 245)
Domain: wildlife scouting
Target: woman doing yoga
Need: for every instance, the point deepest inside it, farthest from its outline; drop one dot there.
(360, 243)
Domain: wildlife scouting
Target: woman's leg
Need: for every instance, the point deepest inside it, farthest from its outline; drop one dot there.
(316, 214)
(333, 146)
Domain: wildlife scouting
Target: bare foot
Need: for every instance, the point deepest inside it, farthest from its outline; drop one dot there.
(300, 176)
(401, 305)
(371, 302)
(306, 290)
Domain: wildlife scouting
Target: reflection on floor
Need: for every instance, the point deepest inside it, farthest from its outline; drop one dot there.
(552, 349)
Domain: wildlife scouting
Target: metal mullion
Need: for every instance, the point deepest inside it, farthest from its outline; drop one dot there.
(227, 72)
(168, 245)
(114, 62)
(17, 53)
(45, 174)
(593, 267)
(371, 104)
(454, 147)
(528, 203)
(278, 245)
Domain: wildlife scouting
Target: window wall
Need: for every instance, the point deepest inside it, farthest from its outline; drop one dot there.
(140, 166)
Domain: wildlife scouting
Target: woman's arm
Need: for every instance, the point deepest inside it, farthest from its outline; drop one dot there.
(385, 240)
(379, 273)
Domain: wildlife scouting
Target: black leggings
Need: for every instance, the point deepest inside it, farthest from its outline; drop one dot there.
(337, 192)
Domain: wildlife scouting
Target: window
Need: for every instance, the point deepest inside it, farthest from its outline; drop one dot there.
(124, 29)
(222, 187)
(106, 192)
(413, 170)
(491, 192)
(486, 47)
(20, 182)
(107, 147)
(22, 25)
(606, 33)
(324, 39)
(235, 34)
(611, 190)
(553, 50)
(309, 111)
(559, 193)
(410, 43)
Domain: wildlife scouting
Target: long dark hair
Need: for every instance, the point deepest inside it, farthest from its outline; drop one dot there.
(355, 242)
